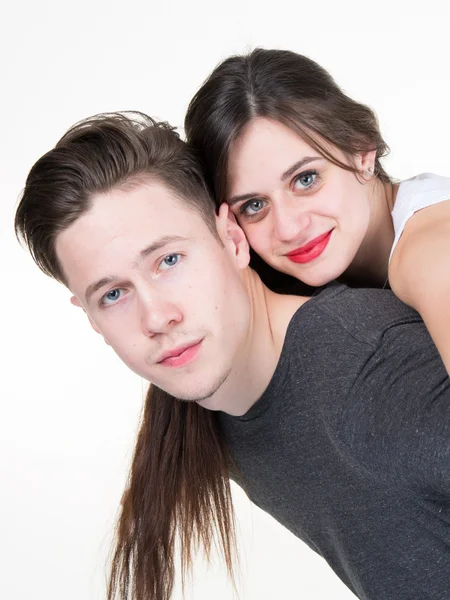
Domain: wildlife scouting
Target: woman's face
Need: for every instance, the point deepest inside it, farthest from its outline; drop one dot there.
(302, 214)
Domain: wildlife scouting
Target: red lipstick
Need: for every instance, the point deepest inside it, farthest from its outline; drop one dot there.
(311, 250)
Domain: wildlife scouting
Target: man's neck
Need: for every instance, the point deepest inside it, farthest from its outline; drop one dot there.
(271, 314)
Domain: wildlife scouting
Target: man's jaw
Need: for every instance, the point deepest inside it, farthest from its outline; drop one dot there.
(213, 398)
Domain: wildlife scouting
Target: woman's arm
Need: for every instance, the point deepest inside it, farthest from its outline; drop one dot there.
(419, 273)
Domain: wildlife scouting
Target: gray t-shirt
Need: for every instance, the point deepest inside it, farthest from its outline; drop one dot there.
(349, 446)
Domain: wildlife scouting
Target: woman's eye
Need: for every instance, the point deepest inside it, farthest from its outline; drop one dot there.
(252, 207)
(169, 261)
(305, 180)
(111, 297)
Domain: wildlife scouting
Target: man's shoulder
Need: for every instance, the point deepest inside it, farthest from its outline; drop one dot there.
(396, 418)
(365, 313)
(340, 328)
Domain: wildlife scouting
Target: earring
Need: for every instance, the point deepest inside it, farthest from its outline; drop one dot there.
(369, 171)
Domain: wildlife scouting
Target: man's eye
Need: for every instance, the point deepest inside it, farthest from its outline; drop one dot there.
(111, 297)
(169, 261)
(252, 207)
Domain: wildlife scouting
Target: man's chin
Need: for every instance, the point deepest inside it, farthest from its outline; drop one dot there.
(198, 396)
(205, 396)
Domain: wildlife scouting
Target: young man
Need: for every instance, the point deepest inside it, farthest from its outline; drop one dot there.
(332, 412)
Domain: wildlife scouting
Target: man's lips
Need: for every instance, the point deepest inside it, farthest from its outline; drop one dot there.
(311, 250)
(181, 355)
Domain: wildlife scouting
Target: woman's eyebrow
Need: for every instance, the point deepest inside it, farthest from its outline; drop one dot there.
(297, 165)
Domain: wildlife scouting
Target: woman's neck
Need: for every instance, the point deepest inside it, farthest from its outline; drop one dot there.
(370, 265)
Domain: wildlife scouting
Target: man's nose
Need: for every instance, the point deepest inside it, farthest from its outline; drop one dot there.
(158, 313)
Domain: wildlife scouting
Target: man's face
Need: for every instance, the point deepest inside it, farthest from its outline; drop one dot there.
(162, 290)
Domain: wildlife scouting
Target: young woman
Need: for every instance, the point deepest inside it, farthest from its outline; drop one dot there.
(298, 161)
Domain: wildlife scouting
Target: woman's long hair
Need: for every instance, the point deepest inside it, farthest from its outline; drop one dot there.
(178, 486)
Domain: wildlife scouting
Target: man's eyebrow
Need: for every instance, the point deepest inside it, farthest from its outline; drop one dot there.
(156, 245)
(93, 287)
(300, 163)
(159, 243)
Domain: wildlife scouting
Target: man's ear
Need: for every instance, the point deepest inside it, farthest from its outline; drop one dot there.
(74, 300)
(232, 235)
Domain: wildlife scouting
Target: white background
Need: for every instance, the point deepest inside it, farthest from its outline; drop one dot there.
(69, 409)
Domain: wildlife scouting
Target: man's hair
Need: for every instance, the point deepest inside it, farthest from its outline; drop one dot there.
(104, 152)
(178, 486)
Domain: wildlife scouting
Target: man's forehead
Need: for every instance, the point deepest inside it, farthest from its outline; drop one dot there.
(122, 226)
(150, 197)
(150, 207)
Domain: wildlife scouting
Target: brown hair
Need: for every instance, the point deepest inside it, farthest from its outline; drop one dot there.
(179, 478)
(96, 155)
(286, 87)
(179, 484)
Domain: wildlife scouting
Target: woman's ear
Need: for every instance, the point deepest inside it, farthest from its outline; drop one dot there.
(232, 236)
(365, 163)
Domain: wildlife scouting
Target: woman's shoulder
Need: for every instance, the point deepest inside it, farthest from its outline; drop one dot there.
(421, 188)
(417, 193)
